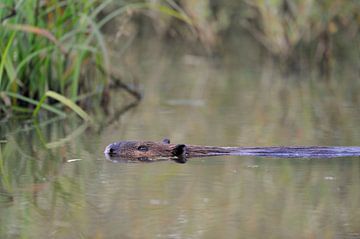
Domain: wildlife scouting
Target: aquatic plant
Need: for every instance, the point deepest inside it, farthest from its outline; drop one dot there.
(56, 51)
(45, 46)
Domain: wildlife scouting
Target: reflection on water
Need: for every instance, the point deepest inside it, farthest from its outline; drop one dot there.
(56, 183)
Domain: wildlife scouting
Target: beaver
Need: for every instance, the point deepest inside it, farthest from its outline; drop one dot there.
(150, 150)
(146, 150)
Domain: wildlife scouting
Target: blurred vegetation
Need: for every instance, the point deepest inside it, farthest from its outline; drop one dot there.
(316, 30)
(293, 32)
(55, 50)
(49, 45)
(52, 47)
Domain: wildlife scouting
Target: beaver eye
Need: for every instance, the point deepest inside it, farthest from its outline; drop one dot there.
(143, 148)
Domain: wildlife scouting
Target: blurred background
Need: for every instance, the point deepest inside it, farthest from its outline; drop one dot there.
(78, 75)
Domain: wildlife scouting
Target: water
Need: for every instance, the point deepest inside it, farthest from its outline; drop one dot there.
(56, 183)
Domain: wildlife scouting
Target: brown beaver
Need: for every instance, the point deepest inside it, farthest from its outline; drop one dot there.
(145, 150)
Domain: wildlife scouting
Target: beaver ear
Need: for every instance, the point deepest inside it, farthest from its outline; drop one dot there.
(180, 150)
(166, 141)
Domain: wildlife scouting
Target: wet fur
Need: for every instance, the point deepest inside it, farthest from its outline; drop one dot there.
(136, 149)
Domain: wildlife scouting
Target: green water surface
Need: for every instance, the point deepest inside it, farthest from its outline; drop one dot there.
(56, 183)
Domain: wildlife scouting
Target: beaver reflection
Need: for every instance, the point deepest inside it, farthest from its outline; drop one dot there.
(115, 159)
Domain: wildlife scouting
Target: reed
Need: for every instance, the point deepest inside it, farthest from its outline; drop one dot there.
(312, 30)
(54, 53)
(59, 46)
(298, 34)
(46, 49)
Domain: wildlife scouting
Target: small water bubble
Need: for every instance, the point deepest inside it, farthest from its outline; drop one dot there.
(155, 202)
(158, 202)
(182, 219)
(73, 160)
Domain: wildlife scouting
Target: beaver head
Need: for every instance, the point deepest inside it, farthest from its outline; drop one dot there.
(145, 149)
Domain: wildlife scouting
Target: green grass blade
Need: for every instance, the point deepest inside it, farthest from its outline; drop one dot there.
(34, 102)
(65, 101)
(5, 62)
(38, 106)
(34, 54)
(171, 12)
(38, 31)
(101, 42)
(119, 11)
(21, 109)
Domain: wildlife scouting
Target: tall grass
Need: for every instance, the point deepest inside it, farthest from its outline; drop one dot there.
(50, 48)
(45, 47)
(296, 33)
(58, 46)
(312, 29)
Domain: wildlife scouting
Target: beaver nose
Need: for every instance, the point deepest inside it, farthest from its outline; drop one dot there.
(111, 149)
(108, 149)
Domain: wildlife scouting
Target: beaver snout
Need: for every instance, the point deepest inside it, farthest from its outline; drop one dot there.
(113, 149)
(147, 149)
